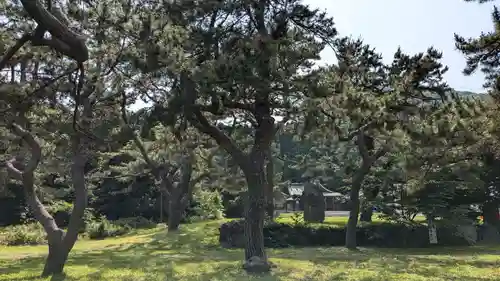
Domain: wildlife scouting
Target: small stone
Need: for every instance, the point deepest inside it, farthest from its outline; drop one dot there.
(257, 265)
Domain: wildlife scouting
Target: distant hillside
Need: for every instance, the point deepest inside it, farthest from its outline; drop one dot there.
(468, 94)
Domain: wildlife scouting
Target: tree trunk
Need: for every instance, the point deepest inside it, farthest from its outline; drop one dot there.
(490, 213)
(57, 257)
(174, 217)
(350, 239)
(182, 191)
(270, 186)
(175, 210)
(165, 207)
(255, 253)
(366, 214)
(58, 251)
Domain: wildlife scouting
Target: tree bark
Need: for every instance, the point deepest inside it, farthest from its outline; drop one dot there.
(57, 257)
(254, 220)
(59, 244)
(368, 159)
(269, 186)
(175, 209)
(174, 216)
(350, 239)
(490, 213)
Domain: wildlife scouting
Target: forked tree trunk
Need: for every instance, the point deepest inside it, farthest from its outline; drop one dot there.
(58, 249)
(60, 244)
(58, 255)
(72, 46)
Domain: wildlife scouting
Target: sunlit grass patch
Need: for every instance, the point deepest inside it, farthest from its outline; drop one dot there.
(194, 254)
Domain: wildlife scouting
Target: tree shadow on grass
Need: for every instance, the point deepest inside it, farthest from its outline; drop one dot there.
(428, 263)
(196, 252)
(160, 253)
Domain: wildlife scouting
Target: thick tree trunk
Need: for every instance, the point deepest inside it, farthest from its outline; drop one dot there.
(57, 257)
(350, 237)
(58, 251)
(174, 216)
(490, 213)
(255, 253)
(60, 243)
(165, 207)
(182, 191)
(176, 208)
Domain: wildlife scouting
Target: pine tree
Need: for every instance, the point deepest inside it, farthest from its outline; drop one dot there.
(242, 61)
(371, 104)
(483, 52)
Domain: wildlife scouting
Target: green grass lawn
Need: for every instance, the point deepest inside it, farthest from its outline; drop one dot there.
(194, 254)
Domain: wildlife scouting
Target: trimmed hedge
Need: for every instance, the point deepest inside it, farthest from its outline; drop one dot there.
(384, 235)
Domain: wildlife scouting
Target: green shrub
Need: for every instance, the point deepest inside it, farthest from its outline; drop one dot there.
(60, 211)
(104, 228)
(387, 235)
(135, 223)
(88, 218)
(23, 234)
(206, 205)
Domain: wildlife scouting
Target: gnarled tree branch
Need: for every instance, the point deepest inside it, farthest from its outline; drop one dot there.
(64, 39)
(36, 151)
(25, 173)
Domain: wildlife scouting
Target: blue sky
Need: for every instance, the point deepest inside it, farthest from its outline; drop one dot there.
(387, 24)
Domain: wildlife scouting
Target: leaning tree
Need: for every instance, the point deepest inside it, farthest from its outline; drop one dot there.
(56, 72)
(363, 100)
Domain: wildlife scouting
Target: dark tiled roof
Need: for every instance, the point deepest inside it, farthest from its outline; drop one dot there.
(295, 189)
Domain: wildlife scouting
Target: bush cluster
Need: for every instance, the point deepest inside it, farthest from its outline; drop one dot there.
(135, 223)
(206, 205)
(23, 234)
(95, 228)
(61, 211)
(103, 228)
(386, 235)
